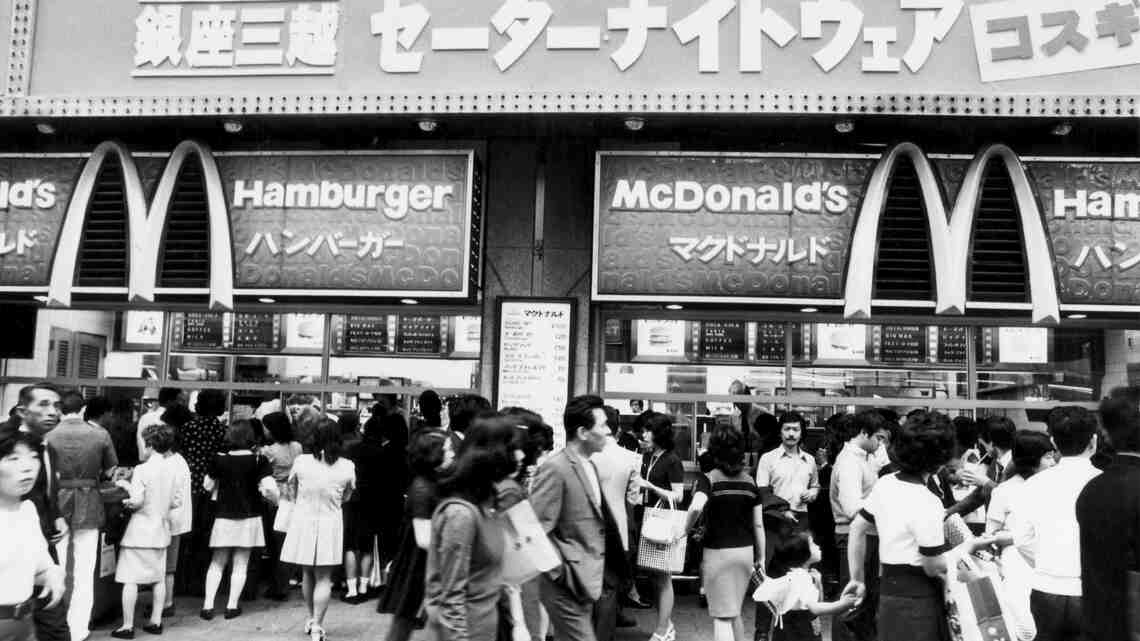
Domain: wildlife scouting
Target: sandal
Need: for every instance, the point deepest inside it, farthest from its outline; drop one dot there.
(317, 633)
(671, 633)
(309, 625)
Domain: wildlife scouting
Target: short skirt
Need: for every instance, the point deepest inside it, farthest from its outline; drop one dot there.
(237, 533)
(725, 573)
(143, 566)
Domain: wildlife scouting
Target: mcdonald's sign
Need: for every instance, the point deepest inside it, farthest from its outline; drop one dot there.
(806, 229)
(371, 224)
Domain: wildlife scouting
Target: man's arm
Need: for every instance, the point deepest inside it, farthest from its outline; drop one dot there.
(546, 496)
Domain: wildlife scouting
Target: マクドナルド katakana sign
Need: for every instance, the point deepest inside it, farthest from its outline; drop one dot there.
(806, 229)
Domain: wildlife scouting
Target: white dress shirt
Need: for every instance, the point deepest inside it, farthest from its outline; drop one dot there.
(851, 481)
(1045, 524)
(789, 474)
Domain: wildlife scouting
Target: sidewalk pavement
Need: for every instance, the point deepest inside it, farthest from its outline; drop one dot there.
(265, 620)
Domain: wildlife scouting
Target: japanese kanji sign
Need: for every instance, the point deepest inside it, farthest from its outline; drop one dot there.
(424, 47)
(398, 222)
(691, 227)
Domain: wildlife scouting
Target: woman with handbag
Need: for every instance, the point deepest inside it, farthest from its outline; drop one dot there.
(662, 480)
(733, 536)
(236, 476)
(321, 482)
(429, 456)
(464, 562)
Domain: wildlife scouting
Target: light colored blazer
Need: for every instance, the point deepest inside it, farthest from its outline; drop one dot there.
(618, 469)
(576, 526)
(159, 489)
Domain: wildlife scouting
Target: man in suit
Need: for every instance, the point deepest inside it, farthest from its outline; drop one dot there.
(1108, 513)
(568, 500)
(618, 470)
(38, 413)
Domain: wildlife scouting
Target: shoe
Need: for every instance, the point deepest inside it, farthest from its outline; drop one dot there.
(207, 615)
(125, 633)
(231, 613)
(309, 625)
(168, 611)
(317, 633)
(152, 628)
(658, 637)
(626, 621)
(351, 599)
(703, 601)
(671, 633)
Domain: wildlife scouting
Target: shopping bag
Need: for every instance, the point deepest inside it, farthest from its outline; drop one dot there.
(527, 552)
(978, 608)
(379, 576)
(663, 525)
(284, 515)
(662, 557)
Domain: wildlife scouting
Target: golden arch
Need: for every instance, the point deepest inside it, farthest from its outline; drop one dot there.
(145, 225)
(950, 234)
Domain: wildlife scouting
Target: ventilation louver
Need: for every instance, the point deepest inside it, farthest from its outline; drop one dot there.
(997, 258)
(103, 253)
(185, 260)
(903, 266)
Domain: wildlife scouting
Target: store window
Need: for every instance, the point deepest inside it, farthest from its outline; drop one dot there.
(339, 360)
(821, 368)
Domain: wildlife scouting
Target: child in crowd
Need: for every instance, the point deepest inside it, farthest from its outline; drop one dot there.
(237, 476)
(794, 592)
(156, 492)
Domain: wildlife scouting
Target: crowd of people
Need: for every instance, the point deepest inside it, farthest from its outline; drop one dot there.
(867, 527)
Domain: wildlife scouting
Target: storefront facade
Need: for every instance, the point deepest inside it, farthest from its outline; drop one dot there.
(821, 204)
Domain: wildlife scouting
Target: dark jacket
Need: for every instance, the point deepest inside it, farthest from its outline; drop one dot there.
(1108, 512)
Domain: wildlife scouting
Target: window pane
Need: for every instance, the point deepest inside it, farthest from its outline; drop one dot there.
(278, 369)
(428, 372)
(1043, 364)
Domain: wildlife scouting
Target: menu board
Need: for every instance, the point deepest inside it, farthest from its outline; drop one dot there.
(256, 331)
(1023, 345)
(899, 343)
(723, 340)
(535, 351)
(952, 343)
(770, 342)
(360, 334)
(660, 338)
(417, 334)
(200, 330)
(304, 332)
(841, 342)
(468, 335)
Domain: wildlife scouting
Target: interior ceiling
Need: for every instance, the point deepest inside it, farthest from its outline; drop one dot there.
(720, 132)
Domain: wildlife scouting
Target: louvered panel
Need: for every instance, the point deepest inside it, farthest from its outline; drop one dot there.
(998, 272)
(903, 267)
(185, 260)
(102, 258)
(89, 358)
(62, 357)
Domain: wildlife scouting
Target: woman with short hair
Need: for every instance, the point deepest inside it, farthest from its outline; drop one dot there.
(1032, 452)
(662, 480)
(734, 533)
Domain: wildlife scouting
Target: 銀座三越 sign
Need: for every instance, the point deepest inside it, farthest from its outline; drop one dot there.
(555, 56)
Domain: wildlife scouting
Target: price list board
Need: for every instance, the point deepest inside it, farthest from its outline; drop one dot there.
(358, 334)
(257, 332)
(535, 352)
(722, 340)
(899, 344)
(771, 342)
(949, 344)
(417, 334)
(205, 331)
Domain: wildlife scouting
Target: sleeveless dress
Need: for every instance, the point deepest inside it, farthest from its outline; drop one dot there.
(315, 534)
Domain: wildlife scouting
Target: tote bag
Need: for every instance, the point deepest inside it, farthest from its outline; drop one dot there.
(527, 551)
(663, 542)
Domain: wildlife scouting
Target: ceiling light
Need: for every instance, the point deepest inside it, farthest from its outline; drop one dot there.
(233, 126)
(845, 126)
(45, 128)
(267, 300)
(1063, 128)
(409, 301)
(427, 125)
(1078, 316)
(674, 307)
(809, 310)
(635, 123)
(40, 299)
